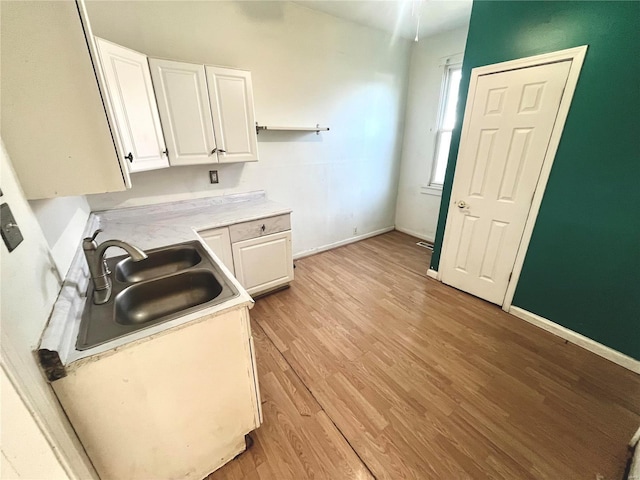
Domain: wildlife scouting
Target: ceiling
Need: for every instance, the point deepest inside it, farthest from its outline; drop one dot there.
(399, 16)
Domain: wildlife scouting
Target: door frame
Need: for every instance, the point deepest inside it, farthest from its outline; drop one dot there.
(576, 55)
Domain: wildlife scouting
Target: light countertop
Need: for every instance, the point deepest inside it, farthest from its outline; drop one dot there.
(148, 227)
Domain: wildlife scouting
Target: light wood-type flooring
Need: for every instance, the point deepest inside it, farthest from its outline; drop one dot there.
(369, 369)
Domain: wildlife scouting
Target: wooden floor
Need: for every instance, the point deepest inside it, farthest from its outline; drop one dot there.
(368, 369)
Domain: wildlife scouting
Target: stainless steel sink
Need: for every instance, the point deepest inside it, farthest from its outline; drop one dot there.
(149, 301)
(173, 281)
(158, 263)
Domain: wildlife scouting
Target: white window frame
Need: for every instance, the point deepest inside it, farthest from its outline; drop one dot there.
(433, 188)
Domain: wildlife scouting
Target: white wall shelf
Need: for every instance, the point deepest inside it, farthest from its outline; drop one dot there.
(316, 129)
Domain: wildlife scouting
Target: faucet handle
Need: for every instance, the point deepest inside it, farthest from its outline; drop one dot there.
(95, 234)
(89, 243)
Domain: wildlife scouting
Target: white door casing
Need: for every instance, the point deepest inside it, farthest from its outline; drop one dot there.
(507, 131)
(130, 92)
(183, 102)
(231, 100)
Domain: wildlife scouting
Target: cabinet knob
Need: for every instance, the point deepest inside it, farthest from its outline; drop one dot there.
(221, 151)
(213, 151)
(129, 157)
(165, 152)
(263, 227)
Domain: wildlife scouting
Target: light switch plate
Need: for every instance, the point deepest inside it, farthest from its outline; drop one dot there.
(10, 231)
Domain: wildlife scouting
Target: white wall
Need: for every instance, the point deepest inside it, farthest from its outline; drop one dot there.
(62, 221)
(26, 452)
(30, 284)
(417, 212)
(308, 67)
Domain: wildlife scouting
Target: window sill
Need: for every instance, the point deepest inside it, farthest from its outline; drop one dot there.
(431, 190)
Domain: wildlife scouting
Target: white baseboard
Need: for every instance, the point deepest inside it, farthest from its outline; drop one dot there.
(635, 439)
(347, 241)
(432, 274)
(413, 233)
(578, 339)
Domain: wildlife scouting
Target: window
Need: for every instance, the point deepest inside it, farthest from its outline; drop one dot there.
(447, 119)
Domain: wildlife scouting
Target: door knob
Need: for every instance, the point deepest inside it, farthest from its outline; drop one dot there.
(462, 204)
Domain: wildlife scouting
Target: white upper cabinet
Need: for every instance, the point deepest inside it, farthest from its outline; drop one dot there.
(54, 126)
(183, 102)
(206, 112)
(130, 91)
(231, 99)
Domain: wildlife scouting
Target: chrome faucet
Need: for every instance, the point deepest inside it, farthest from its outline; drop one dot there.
(98, 269)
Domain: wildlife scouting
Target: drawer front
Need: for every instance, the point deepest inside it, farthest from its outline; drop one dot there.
(259, 228)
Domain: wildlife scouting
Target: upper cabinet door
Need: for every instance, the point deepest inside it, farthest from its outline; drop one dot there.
(181, 92)
(231, 99)
(54, 127)
(130, 92)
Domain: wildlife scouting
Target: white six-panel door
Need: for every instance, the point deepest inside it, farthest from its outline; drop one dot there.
(130, 92)
(499, 163)
(231, 100)
(183, 102)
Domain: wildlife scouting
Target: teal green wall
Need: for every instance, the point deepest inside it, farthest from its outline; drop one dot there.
(582, 268)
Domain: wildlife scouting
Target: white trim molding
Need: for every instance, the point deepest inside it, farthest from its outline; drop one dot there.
(330, 246)
(435, 190)
(577, 339)
(413, 233)
(431, 273)
(635, 439)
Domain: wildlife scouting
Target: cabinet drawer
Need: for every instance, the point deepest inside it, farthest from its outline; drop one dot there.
(259, 228)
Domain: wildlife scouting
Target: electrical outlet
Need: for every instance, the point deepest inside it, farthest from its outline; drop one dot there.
(355, 230)
(213, 176)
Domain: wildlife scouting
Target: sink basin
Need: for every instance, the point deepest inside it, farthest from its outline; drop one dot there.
(172, 282)
(148, 301)
(158, 263)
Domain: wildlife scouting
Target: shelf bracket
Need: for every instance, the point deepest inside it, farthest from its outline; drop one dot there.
(316, 129)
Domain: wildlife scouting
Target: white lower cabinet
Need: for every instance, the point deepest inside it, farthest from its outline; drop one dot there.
(257, 252)
(174, 405)
(219, 242)
(263, 263)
